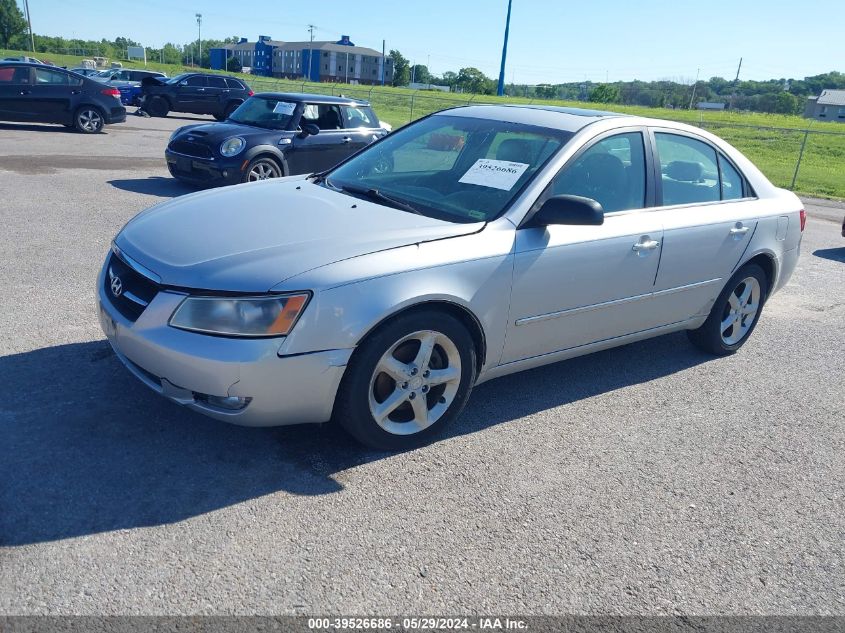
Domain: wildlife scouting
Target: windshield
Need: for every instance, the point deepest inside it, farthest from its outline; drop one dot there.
(454, 168)
(177, 78)
(272, 114)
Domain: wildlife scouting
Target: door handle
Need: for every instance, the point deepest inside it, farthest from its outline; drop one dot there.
(26, 92)
(645, 245)
(346, 139)
(739, 229)
(75, 92)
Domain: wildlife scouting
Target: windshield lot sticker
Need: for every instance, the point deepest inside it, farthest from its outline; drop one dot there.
(498, 174)
(283, 107)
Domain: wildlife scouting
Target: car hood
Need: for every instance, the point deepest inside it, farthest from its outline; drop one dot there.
(251, 237)
(213, 133)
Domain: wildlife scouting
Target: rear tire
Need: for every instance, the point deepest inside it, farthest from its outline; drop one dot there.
(227, 112)
(734, 314)
(407, 381)
(89, 120)
(158, 106)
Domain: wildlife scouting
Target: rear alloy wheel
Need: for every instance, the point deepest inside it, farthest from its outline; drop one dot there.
(157, 107)
(262, 169)
(407, 381)
(735, 313)
(88, 120)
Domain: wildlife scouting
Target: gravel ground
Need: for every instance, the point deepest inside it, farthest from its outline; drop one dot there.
(649, 479)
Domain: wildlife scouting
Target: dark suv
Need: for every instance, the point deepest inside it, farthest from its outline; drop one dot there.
(43, 94)
(218, 95)
(273, 135)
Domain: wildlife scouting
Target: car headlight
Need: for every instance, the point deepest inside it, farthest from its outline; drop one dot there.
(240, 316)
(232, 146)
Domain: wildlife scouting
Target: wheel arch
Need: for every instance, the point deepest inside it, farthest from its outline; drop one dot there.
(269, 151)
(768, 262)
(460, 312)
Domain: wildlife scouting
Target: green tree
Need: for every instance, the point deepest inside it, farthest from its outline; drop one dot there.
(233, 65)
(473, 80)
(604, 93)
(545, 91)
(401, 69)
(12, 23)
(420, 74)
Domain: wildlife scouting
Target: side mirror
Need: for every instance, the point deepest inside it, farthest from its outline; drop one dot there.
(573, 210)
(309, 129)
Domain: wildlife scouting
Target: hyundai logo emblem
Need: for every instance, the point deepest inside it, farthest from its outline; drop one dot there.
(116, 286)
(190, 138)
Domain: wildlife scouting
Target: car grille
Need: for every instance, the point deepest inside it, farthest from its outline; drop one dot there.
(190, 149)
(136, 290)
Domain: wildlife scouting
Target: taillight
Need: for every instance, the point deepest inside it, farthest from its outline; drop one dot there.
(111, 92)
(803, 219)
(250, 93)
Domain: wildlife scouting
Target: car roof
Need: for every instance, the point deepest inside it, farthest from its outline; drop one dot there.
(312, 98)
(557, 117)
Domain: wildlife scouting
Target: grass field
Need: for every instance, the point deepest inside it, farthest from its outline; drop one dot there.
(772, 141)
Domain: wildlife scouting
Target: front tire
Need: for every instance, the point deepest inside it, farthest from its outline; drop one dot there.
(262, 168)
(734, 314)
(88, 120)
(407, 381)
(158, 106)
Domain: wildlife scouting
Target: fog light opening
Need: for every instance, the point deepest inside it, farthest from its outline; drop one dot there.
(229, 403)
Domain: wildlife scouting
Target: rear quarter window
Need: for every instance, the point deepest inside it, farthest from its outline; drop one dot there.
(234, 84)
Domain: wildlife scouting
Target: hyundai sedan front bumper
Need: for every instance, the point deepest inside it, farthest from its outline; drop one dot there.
(241, 381)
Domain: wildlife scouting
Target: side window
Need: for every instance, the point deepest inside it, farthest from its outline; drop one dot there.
(324, 116)
(13, 75)
(55, 78)
(358, 116)
(197, 81)
(688, 170)
(611, 171)
(731, 180)
(233, 84)
(216, 82)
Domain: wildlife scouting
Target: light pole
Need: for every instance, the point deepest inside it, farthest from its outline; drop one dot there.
(199, 37)
(501, 90)
(29, 21)
(311, 28)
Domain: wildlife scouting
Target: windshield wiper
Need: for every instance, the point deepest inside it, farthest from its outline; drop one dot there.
(375, 194)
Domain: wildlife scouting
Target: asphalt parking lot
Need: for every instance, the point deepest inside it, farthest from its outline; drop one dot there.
(649, 479)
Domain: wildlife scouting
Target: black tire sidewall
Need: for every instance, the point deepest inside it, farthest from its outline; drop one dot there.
(352, 409)
(158, 107)
(709, 336)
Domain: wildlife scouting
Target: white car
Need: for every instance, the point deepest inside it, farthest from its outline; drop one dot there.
(471, 244)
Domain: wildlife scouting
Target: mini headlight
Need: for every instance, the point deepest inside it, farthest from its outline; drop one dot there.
(232, 146)
(240, 316)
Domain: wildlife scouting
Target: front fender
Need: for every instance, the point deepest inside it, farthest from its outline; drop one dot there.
(269, 150)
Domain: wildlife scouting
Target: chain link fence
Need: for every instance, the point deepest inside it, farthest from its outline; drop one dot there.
(805, 160)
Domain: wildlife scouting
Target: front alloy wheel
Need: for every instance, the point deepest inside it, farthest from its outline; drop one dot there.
(89, 121)
(262, 169)
(407, 380)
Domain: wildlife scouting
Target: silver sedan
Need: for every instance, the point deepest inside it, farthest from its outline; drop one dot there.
(472, 244)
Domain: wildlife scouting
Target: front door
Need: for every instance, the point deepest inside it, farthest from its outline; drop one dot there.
(15, 93)
(574, 285)
(315, 153)
(191, 95)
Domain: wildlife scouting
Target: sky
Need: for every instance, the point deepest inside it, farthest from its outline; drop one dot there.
(550, 41)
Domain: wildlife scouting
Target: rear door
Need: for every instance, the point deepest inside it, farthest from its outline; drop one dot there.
(15, 89)
(217, 94)
(709, 215)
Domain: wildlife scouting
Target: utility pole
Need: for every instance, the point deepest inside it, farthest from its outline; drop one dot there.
(501, 90)
(736, 81)
(199, 37)
(383, 62)
(29, 21)
(694, 86)
(311, 28)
